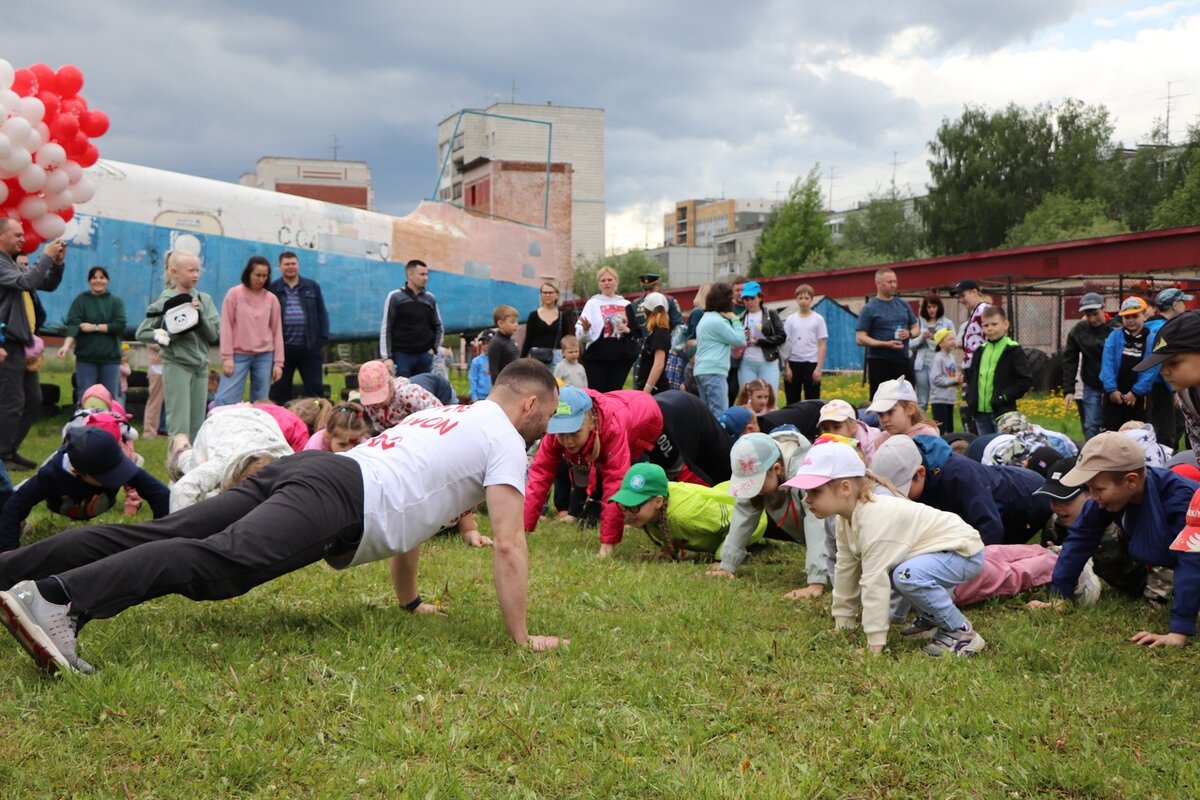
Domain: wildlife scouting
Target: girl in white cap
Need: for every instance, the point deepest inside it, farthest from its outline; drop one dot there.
(886, 543)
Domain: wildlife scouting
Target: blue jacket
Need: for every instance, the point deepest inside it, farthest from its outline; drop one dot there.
(992, 500)
(1151, 527)
(1110, 364)
(480, 377)
(69, 495)
(316, 317)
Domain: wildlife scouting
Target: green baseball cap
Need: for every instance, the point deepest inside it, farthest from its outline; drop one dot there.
(641, 483)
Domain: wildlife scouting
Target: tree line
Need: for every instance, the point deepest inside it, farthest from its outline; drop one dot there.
(999, 178)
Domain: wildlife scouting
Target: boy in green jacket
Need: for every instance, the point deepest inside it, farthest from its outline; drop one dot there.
(999, 374)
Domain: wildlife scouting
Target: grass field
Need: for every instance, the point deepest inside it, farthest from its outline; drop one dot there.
(675, 685)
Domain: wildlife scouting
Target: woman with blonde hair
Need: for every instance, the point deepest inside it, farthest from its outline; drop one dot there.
(545, 327)
(609, 333)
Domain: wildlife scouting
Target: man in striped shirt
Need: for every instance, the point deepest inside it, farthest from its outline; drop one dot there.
(305, 329)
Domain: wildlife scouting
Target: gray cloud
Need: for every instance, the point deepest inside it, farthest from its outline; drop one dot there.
(697, 95)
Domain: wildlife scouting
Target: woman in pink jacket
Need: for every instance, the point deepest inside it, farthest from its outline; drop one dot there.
(606, 431)
(251, 336)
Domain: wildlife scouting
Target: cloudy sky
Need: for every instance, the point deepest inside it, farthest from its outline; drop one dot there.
(702, 99)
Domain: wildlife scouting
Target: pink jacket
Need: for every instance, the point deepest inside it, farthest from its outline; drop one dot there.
(629, 424)
(920, 429)
(251, 323)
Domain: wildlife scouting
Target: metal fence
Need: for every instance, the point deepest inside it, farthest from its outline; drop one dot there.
(1042, 313)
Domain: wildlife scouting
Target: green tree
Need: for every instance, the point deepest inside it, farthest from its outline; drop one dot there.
(1060, 218)
(885, 228)
(795, 232)
(1134, 182)
(988, 169)
(1182, 208)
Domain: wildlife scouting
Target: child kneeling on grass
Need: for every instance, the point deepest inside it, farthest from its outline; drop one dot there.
(886, 543)
(678, 517)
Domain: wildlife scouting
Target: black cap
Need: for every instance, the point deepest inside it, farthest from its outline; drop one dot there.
(1054, 487)
(93, 451)
(1042, 459)
(963, 285)
(1180, 335)
(649, 277)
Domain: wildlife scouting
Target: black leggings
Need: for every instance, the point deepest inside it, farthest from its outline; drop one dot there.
(295, 512)
(801, 382)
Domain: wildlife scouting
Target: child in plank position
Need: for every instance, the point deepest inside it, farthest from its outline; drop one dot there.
(886, 543)
(678, 517)
(1151, 506)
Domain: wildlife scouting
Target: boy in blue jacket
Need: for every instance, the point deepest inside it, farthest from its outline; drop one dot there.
(1125, 390)
(996, 501)
(80, 481)
(1151, 506)
(479, 374)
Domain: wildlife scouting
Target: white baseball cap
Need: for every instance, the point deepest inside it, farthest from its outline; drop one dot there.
(891, 392)
(751, 457)
(654, 300)
(825, 462)
(897, 460)
(837, 411)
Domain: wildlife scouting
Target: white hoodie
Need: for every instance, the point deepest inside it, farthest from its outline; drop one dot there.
(223, 441)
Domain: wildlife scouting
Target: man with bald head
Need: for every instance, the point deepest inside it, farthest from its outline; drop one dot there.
(20, 392)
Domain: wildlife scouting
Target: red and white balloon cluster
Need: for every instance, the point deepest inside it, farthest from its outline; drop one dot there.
(46, 132)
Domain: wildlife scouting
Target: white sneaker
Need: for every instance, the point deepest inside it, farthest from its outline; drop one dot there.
(956, 643)
(1087, 591)
(46, 630)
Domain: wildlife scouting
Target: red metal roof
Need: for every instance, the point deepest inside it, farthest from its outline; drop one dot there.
(1130, 253)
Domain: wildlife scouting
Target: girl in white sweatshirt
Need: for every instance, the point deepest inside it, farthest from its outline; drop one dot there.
(890, 542)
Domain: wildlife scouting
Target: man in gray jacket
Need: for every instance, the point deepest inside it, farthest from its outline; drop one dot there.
(20, 392)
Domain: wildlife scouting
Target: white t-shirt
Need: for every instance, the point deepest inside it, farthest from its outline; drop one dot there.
(803, 335)
(752, 324)
(422, 475)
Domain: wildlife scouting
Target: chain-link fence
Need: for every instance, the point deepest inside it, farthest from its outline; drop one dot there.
(1042, 313)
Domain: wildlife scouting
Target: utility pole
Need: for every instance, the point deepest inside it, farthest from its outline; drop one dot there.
(335, 147)
(513, 96)
(831, 177)
(895, 155)
(1169, 98)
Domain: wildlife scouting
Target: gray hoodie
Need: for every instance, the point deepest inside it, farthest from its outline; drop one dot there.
(791, 516)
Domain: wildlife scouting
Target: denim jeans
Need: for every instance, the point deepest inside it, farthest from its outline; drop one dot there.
(409, 364)
(985, 423)
(922, 386)
(258, 367)
(767, 370)
(714, 391)
(928, 580)
(1093, 412)
(89, 373)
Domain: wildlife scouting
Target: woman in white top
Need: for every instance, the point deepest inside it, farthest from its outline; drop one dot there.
(608, 330)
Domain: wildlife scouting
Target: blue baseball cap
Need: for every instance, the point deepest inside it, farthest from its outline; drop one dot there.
(573, 403)
(751, 289)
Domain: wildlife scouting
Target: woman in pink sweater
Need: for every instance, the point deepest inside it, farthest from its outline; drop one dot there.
(251, 336)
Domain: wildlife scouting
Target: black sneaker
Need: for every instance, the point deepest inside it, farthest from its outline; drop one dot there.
(13, 466)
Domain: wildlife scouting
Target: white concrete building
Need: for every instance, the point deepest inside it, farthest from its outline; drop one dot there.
(575, 136)
(344, 182)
